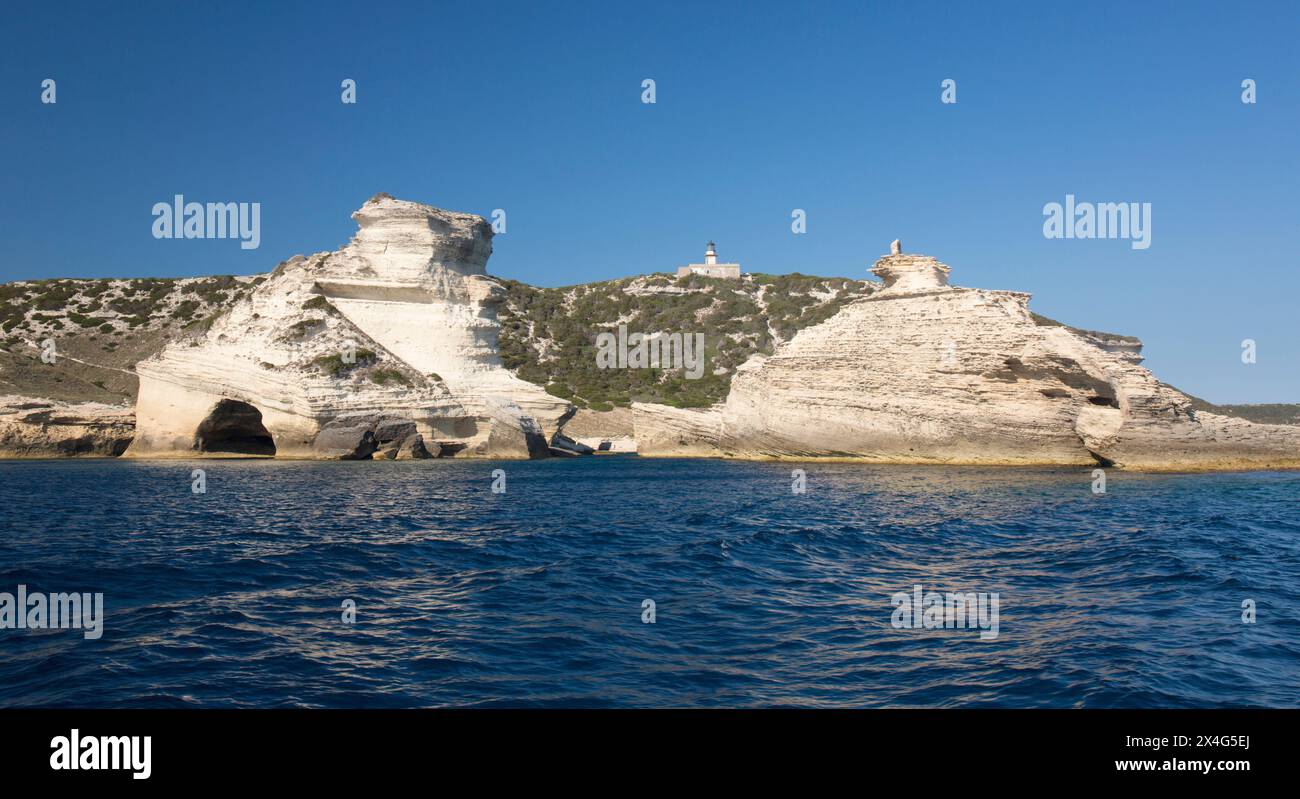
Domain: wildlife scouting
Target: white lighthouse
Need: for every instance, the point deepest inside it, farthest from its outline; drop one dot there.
(710, 267)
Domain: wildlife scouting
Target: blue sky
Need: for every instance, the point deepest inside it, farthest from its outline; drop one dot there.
(761, 108)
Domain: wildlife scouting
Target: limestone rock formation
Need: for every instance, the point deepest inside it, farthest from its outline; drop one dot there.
(664, 430)
(32, 428)
(388, 349)
(924, 372)
(604, 431)
(343, 354)
(414, 448)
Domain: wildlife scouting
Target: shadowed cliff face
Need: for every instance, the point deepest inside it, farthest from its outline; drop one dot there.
(234, 428)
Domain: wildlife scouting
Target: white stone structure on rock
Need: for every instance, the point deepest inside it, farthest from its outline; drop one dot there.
(352, 353)
(924, 372)
(710, 267)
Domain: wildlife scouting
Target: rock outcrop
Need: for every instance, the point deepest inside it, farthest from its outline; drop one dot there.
(396, 331)
(604, 431)
(388, 349)
(924, 372)
(32, 428)
(682, 432)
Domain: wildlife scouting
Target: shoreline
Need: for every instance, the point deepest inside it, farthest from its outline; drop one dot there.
(1230, 467)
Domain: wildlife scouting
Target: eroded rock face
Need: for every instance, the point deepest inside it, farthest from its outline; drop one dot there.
(923, 372)
(398, 324)
(32, 428)
(513, 434)
(415, 279)
(387, 348)
(685, 432)
(234, 428)
(347, 438)
(603, 431)
(902, 273)
(414, 448)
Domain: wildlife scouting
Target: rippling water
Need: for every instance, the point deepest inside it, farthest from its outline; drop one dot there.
(534, 597)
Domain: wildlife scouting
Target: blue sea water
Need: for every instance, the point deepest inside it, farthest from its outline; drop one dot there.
(533, 597)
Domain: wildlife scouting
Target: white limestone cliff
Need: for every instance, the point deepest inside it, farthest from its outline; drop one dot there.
(387, 349)
(336, 350)
(924, 372)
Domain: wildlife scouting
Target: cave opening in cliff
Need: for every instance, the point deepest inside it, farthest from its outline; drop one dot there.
(235, 428)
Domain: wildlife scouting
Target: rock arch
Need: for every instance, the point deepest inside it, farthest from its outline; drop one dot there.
(233, 427)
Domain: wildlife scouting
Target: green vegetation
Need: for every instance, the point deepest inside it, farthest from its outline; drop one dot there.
(738, 318)
(385, 376)
(319, 303)
(300, 329)
(185, 310)
(1043, 321)
(150, 303)
(334, 365)
(548, 335)
(1262, 413)
(84, 321)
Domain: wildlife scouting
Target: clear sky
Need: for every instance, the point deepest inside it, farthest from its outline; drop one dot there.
(761, 108)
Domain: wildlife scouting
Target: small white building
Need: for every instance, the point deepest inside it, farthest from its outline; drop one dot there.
(710, 267)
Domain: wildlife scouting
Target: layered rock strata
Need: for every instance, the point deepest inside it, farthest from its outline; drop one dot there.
(36, 428)
(396, 330)
(924, 372)
(387, 349)
(603, 431)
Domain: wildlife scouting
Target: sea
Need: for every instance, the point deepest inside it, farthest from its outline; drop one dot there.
(618, 581)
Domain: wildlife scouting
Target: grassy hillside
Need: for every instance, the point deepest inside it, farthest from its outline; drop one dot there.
(1263, 413)
(101, 329)
(549, 335)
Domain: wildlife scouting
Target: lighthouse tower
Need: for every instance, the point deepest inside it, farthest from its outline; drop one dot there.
(710, 267)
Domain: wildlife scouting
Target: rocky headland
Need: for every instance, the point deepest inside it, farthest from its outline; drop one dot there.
(399, 345)
(924, 372)
(387, 346)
